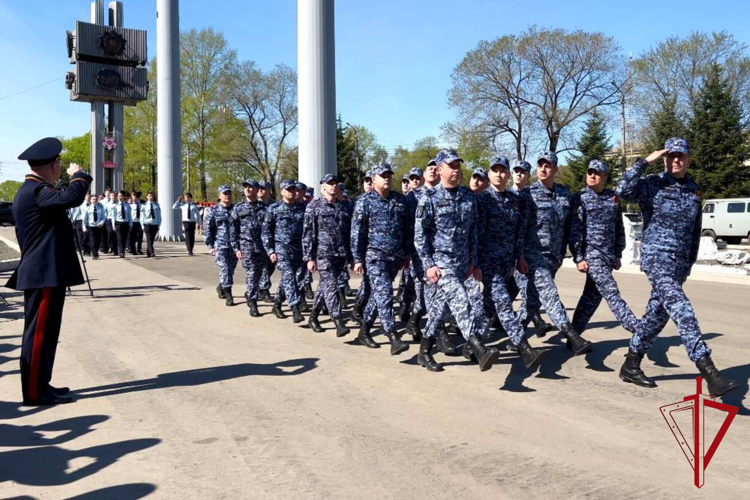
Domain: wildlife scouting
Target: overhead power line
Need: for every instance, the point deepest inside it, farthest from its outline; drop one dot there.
(32, 88)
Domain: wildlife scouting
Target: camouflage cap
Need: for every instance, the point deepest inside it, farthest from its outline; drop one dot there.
(598, 165)
(549, 156)
(301, 186)
(382, 169)
(368, 175)
(677, 145)
(480, 172)
(309, 192)
(415, 171)
(224, 188)
(432, 163)
(523, 165)
(405, 178)
(288, 184)
(251, 183)
(328, 178)
(264, 185)
(500, 160)
(447, 156)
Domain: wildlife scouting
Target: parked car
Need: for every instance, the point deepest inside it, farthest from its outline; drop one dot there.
(6, 214)
(728, 219)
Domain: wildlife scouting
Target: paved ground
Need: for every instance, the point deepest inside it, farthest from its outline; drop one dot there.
(181, 397)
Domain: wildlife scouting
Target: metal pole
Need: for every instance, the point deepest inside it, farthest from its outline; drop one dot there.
(316, 60)
(169, 140)
(116, 111)
(623, 161)
(97, 117)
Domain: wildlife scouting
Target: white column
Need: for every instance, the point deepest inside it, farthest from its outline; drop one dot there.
(169, 136)
(316, 61)
(97, 117)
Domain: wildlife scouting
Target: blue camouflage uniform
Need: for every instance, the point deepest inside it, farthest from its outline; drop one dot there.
(325, 240)
(380, 239)
(348, 206)
(671, 211)
(282, 235)
(597, 236)
(265, 277)
(217, 235)
(445, 235)
(500, 234)
(247, 222)
(545, 242)
(304, 277)
(363, 292)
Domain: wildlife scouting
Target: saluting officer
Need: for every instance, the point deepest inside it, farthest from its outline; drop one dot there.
(191, 219)
(48, 266)
(671, 206)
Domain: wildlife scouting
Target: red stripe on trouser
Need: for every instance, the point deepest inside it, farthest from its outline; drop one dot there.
(36, 352)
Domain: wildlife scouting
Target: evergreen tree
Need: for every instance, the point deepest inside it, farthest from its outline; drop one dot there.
(592, 145)
(662, 125)
(717, 140)
(346, 160)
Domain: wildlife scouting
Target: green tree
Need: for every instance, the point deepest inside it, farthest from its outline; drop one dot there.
(662, 124)
(8, 190)
(77, 150)
(347, 159)
(592, 145)
(718, 141)
(139, 140)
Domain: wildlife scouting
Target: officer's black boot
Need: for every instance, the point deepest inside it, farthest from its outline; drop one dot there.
(342, 298)
(631, 370)
(529, 355)
(403, 310)
(541, 326)
(313, 323)
(444, 343)
(265, 296)
(229, 300)
(468, 353)
(717, 385)
(364, 336)
(424, 358)
(341, 328)
(412, 327)
(453, 327)
(220, 291)
(277, 310)
(485, 356)
(356, 313)
(309, 291)
(575, 342)
(303, 305)
(297, 314)
(397, 345)
(253, 305)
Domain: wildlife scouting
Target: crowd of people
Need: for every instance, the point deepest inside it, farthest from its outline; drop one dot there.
(467, 254)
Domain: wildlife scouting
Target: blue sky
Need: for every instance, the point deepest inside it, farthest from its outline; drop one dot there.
(394, 58)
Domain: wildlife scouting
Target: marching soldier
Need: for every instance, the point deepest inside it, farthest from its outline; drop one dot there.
(136, 231)
(247, 243)
(150, 220)
(93, 225)
(191, 219)
(122, 221)
(671, 206)
(363, 292)
(218, 239)
(48, 265)
(264, 197)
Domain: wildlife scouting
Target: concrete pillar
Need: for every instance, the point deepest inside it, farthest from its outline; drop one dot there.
(169, 138)
(316, 61)
(97, 118)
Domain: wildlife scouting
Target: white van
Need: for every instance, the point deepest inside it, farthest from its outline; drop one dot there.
(728, 219)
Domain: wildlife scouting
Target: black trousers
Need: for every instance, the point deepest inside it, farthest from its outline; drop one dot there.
(42, 309)
(109, 240)
(189, 229)
(95, 239)
(136, 238)
(151, 231)
(83, 240)
(122, 229)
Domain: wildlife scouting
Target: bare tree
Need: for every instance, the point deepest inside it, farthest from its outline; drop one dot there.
(267, 105)
(540, 82)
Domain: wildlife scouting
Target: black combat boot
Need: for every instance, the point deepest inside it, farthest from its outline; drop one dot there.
(424, 358)
(253, 305)
(541, 326)
(364, 336)
(444, 343)
(342, 298)
(309, 291)
(277, 310)
(403, 310)
(717, 385)
(529, 355)
(412, 327)
(220, 291)
(575, 342)
(303, 305)
(229, 300)
(468, 353)
(265, 296)
(356, 313)
(485, 356)
(397, 345)
(453, 327)
(313, 322)
(631, 370)
(341, 328)
(297, 314)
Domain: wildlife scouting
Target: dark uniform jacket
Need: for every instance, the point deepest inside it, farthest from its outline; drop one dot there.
(45, 233)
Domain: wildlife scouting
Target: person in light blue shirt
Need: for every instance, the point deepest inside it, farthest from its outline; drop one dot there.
(109, 237)
(121, 219)
(94, 217)
(191, 219)
(135, 238)
(150, 221)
